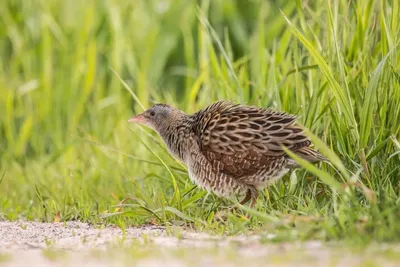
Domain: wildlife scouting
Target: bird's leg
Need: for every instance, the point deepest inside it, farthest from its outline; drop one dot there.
(251, 194)
(253, 200)
(246, 198)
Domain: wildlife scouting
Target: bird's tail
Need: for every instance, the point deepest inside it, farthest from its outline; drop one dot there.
(308, 154)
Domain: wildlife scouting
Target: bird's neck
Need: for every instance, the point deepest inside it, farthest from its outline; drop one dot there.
(178, 137)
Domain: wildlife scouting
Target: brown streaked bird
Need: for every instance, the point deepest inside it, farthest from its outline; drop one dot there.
(231, 149)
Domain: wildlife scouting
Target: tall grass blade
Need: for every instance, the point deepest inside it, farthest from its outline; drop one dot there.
(126, 86)
(370, 103)
(177, 196)
(325, 177)
(340, 94)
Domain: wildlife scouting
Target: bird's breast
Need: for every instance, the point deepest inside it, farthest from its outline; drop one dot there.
(179, 144)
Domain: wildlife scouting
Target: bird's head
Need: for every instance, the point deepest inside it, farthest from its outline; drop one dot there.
(159, 117)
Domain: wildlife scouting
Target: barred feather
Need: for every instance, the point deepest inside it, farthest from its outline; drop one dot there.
(231, 148)
(246, 139)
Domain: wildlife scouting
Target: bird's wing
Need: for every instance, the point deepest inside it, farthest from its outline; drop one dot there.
(239, 140)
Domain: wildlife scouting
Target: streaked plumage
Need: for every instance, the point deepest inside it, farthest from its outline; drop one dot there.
(231, 149)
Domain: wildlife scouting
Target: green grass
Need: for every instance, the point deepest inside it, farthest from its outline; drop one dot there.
(73, 72)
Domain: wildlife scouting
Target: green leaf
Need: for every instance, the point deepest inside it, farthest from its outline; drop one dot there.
(369, 103)
(342, 97)
(177, 196)
(328, 153)
(325, 177)
(179, 213)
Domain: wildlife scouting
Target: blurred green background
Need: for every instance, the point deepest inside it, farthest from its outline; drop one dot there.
(70, 72)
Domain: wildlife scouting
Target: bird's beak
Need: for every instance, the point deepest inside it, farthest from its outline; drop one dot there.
(138, 118)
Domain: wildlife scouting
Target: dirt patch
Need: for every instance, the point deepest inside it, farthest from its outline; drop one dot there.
(69, 235)
(74, 243)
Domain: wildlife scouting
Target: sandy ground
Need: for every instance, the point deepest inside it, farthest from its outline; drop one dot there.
(81, 244)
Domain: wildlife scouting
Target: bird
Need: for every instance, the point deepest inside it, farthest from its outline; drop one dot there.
(231, 149)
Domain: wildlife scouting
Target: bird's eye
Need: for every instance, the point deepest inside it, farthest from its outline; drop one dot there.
(152, 113)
